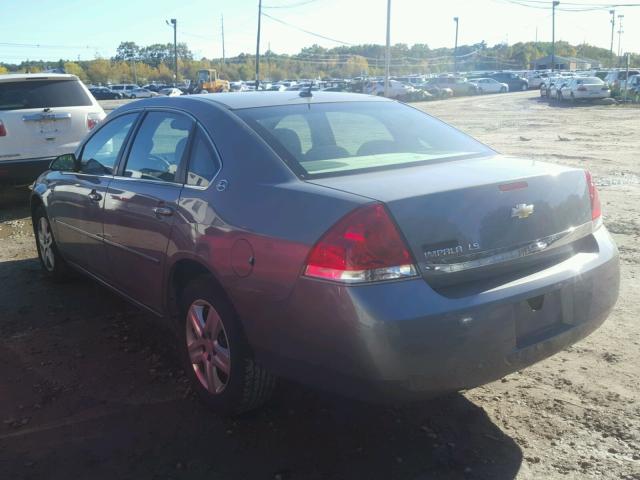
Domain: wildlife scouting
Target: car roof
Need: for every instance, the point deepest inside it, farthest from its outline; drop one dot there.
(12, 77)
(235, 101)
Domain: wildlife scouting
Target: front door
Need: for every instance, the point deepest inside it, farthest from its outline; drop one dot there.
(77, 201)
(141, 204)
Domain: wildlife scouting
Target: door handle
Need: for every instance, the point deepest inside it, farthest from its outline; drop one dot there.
(163, 211)
(95, 196)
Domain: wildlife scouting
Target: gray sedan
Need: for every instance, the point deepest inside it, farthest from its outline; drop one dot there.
(344, 241)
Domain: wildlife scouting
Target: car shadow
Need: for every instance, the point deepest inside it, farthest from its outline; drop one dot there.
(94, 389)
(576, 104)
(14, 202)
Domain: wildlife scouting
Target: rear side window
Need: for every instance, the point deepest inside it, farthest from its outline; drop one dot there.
(159, 147)
(100, 153)
(204, 163)
(27, 94)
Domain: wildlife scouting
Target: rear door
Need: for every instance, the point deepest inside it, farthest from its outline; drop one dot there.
(76, 202)
(45, 117)
(141, 204)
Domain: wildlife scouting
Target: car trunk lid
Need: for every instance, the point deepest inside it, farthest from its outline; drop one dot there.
(470, 219)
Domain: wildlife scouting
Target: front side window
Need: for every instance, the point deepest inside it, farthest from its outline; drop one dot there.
(159, 147)
(357, 136)
(100, 153)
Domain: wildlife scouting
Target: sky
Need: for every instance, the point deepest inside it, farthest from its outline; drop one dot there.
(81, 29)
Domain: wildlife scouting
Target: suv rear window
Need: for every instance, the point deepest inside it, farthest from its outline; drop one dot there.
(26, 94)
(327, 139)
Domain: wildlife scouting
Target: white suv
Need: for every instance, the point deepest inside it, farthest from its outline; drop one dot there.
(41, 116)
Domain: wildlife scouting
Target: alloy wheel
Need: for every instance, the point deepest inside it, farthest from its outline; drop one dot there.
(45, 241)
(208, 346)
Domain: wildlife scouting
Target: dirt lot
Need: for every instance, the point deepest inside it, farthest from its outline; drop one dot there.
(90, 388)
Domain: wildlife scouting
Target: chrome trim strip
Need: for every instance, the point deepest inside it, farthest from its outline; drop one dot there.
(79, 230)
(108, 242)
(37, 117)
(502, 255)
(131, 250)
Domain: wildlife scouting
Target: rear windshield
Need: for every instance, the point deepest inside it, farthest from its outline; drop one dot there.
(26, 94)
(325, 139)
(590, 81)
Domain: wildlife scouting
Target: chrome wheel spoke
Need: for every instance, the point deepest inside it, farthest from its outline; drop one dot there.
(213, 324)
(214, 384)
(195, 320)
(197, 349)
(221, 359)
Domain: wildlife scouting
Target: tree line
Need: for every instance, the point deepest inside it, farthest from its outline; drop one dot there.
(154, 63)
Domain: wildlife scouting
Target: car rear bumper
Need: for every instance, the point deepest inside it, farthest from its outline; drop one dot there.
(403, 341)
(22, 171)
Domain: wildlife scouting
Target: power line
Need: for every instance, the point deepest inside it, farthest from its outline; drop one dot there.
(291, 5)
(306, 31)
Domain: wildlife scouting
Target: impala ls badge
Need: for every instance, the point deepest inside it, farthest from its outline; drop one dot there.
(522, 210)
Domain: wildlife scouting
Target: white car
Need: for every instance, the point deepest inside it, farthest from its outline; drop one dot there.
(583, 88)
(142, 93)
(489, 85)
(42, 116)
(396, 89)
(170, 92)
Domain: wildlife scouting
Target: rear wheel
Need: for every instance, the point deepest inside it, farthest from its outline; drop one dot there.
(51, 261)
(525, 87)
(216, 354)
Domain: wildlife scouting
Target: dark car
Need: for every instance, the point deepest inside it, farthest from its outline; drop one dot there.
(516, 82)
(103, 93)
(345, 241)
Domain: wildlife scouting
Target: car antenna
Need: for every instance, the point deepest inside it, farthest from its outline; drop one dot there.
(307, 92)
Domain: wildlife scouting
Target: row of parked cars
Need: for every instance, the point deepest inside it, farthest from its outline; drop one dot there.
(131, 90)
(573, 86)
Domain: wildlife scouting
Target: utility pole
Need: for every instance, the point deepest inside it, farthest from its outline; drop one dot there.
(455, 48)
(553, 34)
(222, 28)
(387, 56)
(613, 26)
(620, 32)
(258, 45)
(174, 23)
(269, 61)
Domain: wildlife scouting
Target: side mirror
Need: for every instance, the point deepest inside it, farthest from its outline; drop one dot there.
(64, 163)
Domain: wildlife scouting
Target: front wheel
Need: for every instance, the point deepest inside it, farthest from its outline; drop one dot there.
(525, 87)
(503, 90)
(51, 261)
(216, 354)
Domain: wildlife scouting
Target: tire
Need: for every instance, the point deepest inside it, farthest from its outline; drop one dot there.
(221, 366)
(503, 90)
(524, 87)
(133, 97)
(52, 263)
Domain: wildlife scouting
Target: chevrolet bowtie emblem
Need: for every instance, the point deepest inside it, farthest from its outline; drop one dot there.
(522, 210)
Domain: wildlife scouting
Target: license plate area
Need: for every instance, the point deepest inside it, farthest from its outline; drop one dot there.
(541, 317)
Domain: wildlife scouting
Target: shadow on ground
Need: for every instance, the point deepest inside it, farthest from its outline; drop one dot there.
(91, 388)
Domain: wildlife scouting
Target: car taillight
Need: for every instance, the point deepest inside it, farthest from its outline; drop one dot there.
(596, 208)
(582, 89)
(3, 130)
(364, 246)
(93, 119)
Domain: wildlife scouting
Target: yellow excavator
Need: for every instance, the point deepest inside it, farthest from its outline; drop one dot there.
(208, 81)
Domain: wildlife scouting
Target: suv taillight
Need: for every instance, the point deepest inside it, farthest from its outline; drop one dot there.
(364, 246)
(594, 196)
(3, 130)
(93, 119)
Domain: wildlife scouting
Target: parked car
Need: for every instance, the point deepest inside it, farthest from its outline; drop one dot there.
(584, 88)
(141, 93)
(170, 92)
(634, 83)
(395, 90)
(513, 80)
(537, 79)
(548, 84)
(124, 89)
(616, 79)
(345, 241)
(489, 85)
(103, 93)
(436, 91)
(41, 117)
(458, 85)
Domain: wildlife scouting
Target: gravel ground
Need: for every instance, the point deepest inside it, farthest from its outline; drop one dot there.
(91, 388)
